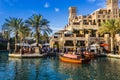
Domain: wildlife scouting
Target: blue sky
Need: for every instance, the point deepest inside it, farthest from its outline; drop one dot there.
(56, 11)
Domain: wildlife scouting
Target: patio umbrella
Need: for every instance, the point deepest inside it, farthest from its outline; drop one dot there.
(104, 44)
(35, 44)
(46, 44)
(23, 44)
(94, 46)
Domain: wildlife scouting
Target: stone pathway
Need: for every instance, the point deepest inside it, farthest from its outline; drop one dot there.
(34, 55)
(113, 56)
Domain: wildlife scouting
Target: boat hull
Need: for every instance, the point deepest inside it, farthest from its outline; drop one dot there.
(76, 61)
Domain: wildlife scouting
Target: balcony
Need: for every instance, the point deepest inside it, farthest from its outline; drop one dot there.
(69, 43)
(90, 27)
(56, 37)
(66, 35)
(93, 35)
(80, 35)
(80, 43)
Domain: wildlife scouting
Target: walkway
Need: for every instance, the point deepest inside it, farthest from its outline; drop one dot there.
(113, 56)
(34, 55)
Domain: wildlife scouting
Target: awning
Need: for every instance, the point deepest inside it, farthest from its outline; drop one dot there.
(104, 44)
(35, 44)
(46, 44)
(22, 44)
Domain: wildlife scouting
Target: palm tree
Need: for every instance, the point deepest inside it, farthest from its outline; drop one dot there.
(6, 35)
(24, 31)
(110, 26)
(44, 37)
(13, 24)
(39, 24)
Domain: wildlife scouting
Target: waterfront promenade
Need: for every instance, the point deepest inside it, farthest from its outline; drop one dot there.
(110, 55)
(113, 56)
(45, 54)
(27, 55)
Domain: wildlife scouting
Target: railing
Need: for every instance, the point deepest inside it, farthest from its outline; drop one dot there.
(69, 35)
(69, 44)
(92, 35)
(80, 35)
(56, 37)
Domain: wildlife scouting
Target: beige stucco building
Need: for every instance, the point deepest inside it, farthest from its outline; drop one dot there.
(81, 30)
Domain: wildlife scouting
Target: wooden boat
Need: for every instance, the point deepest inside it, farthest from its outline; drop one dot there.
(74, 60)
(89, 55)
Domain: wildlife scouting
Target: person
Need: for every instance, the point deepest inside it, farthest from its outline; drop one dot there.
(29, 49)
(101, 50)
(97, 50)
(83, 56)
(55, 49)
(89, 50)
(66, 50)
(114, 50)
(74, 52)
(21, 51)
(48, 48)
(78, 50)
(82, 50)
(43, 50)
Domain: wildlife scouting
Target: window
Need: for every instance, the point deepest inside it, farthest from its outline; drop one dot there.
(103, 16)
(85, 22)
(109, 11)
(98, 16)
(103, 20)
(100, 12)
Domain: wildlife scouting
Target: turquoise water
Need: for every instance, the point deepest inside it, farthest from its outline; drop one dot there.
(53, 69)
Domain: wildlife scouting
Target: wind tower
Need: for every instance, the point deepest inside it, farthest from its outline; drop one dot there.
(113, 8)
(72, 13)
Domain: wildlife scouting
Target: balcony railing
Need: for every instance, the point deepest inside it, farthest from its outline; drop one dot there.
(55, 36)
(94, 35)
(69, 44)
(80, 35)
(69, 35)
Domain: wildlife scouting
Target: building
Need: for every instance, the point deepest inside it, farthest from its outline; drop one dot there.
(81, 30)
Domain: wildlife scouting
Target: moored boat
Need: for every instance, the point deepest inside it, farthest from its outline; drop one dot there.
(73, 59)
(89, 55)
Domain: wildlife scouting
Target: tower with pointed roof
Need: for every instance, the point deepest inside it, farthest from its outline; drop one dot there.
(113, 7)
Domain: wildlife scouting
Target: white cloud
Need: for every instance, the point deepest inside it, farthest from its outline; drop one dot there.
(46, 5)
(57, 9)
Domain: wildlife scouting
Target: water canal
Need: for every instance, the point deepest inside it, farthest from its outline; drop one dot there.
(53, 69)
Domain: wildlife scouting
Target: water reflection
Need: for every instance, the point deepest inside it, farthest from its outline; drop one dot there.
(53, 69)
(25, 69)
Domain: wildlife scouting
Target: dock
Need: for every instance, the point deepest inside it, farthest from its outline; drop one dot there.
(117, 56)
(13, 55)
